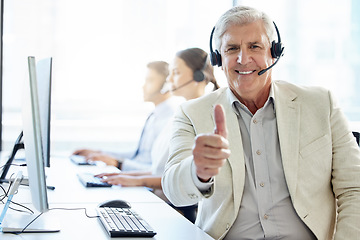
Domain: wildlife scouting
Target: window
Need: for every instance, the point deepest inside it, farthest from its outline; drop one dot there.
(100, 50)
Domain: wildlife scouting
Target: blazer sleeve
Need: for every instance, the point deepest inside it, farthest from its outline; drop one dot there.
(177, 182)
(345, 175)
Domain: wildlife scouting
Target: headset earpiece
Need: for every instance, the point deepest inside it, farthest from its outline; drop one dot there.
(199, 76)
(276, 47)
(215, 56)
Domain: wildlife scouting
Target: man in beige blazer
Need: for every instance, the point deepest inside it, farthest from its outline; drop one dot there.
(263, 159)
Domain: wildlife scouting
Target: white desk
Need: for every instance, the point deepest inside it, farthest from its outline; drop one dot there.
(69, 193)
(68, 189)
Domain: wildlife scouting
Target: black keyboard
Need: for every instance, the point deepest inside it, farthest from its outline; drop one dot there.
(89, 180)
(124, 222)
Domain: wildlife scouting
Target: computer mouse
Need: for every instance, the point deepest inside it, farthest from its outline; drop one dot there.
(116, 204)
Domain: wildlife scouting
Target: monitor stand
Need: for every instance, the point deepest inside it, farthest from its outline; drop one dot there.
(20, 222)
(16, 222)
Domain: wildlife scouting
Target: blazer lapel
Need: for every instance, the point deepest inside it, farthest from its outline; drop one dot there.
(288, 123)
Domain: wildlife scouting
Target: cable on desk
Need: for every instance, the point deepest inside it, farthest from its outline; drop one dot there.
(74, 209)
(2, 197)
(6, 192)
(23, 206)
(50, 209)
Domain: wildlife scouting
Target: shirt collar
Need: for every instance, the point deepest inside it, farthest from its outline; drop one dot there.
(234, 101)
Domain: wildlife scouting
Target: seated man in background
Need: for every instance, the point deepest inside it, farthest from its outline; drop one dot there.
(165, 106)
(264, 159)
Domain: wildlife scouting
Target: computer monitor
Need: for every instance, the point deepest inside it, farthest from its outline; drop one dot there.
(35, 163)
(33, 140)
(44, 84)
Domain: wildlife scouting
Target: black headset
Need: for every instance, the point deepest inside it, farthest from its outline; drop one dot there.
(199, 75)
(276, 49)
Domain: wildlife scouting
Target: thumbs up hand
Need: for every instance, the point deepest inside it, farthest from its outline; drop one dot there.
(211, 150)
(220, 126)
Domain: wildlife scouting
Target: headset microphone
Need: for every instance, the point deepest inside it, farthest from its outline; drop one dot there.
(264, 70)
(182, 85)
(167, 88)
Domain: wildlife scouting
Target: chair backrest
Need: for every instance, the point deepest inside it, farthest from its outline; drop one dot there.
(357, 136)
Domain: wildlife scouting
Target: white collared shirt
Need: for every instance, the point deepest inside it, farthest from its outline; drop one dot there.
(266, 210)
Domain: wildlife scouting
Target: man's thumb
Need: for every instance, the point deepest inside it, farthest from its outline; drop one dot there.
(220, 123)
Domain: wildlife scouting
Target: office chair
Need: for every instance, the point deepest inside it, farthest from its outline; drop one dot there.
(357, 136)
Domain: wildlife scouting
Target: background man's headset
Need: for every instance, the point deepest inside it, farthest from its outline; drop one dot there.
(276, 49)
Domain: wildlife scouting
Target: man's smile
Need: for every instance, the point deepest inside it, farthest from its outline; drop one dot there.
(244, 72)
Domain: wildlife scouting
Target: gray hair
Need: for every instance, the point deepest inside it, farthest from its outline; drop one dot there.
(240, 15)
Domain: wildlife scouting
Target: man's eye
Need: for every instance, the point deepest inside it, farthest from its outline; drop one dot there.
(254, 46)
(231, 49)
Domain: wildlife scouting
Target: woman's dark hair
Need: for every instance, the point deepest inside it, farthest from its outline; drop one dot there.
(197, 60)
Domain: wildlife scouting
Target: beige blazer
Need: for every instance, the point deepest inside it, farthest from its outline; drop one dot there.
(320, 157)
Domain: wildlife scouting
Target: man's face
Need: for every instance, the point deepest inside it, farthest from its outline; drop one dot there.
(153, 84)
(245, 50)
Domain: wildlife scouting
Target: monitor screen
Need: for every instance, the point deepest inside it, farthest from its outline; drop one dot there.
(43, 71)
(33, 141)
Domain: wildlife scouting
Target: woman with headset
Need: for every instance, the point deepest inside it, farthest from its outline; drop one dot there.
(190, 72)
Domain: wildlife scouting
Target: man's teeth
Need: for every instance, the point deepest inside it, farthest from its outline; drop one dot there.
(244, 73)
